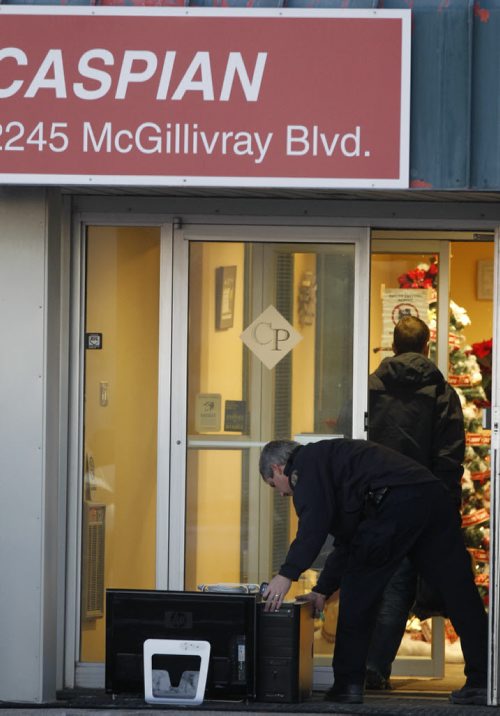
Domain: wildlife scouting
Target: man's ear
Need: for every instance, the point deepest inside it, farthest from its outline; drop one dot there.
(425, 349)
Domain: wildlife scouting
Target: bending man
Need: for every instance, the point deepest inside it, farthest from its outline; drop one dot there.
(380, 507)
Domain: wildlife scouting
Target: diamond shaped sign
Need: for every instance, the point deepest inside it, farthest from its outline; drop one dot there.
(270, 337)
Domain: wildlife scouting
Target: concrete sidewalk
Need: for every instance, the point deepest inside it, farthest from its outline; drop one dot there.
(375, 705)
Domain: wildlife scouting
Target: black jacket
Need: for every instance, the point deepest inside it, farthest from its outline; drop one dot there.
(330, 481)
(413, 410)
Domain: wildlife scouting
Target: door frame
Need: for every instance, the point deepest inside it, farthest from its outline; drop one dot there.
(76, 673)
(143, 212)
(494, 594)
(183, 235)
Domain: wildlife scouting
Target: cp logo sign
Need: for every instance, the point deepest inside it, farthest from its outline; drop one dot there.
(270, 337)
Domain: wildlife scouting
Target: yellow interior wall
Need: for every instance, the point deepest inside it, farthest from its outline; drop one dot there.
(463, 282)
(303, 371)
(214, 477)
(123, 304)
(303, 355)
(213, 521)
(215, 356)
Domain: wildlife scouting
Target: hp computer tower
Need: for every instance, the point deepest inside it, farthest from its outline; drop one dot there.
(285, 653)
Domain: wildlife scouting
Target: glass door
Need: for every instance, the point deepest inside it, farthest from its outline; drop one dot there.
(273, 326)
(119, 495)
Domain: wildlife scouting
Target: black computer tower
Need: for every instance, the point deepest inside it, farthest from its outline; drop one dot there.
(285, 653)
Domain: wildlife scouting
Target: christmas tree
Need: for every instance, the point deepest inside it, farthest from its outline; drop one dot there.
(466, 376)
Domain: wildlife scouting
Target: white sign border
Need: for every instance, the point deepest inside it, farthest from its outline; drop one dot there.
(401, 182)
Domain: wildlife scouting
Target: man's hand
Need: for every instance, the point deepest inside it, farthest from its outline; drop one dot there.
(315, 598)
(275, 592)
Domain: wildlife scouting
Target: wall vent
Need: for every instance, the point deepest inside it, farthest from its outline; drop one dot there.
(94, 526)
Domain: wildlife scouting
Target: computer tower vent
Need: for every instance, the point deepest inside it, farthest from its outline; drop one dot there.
(94, 528)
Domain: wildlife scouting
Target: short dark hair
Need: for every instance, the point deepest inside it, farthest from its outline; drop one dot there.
(275, 452)
(410, 335)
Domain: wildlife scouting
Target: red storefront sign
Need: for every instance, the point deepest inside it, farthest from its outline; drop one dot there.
(197, 97)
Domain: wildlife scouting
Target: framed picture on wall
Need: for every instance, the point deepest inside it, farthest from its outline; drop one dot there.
(485, 279)
(225, 286)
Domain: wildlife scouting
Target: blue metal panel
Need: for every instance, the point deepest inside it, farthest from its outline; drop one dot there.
(485, 169)
(333, 4)
(440, 92)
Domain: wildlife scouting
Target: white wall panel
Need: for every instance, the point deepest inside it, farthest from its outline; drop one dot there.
(28, 491)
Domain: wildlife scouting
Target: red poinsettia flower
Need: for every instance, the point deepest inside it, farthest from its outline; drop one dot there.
(419, 277)
(483, 352)
(483, 349)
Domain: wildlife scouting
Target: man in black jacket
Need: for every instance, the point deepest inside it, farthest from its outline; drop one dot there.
(413, 410)
(380, 507)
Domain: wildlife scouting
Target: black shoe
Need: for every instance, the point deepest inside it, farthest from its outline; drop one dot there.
(346, 694)
(472, 695)
(375, 682)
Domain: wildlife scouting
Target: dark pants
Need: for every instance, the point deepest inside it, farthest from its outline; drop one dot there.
(397, 600)
(420, 522)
